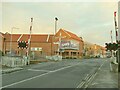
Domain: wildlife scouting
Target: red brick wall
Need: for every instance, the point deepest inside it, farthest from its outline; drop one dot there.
(1, 43)
(46, 47)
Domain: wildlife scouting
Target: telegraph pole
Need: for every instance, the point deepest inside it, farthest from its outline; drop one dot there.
(11, 39)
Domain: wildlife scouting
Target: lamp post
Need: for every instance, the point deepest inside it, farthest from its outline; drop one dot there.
(56, 19)
(11, 39)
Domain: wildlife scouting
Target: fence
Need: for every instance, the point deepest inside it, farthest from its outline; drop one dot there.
(14, 61)
(55, 58)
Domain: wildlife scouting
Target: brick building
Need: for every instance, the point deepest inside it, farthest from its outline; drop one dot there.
(63, 43)
(1, 41)
(41, 44)
(70, 45)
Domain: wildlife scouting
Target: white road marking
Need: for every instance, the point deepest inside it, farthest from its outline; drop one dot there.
(25, 80)
(93, 76)
(82, 82)
(94, 84)
(38, 76)
(39, 70)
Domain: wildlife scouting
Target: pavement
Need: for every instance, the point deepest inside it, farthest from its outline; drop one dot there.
(105, 78)
(5, 69)
(10, 70)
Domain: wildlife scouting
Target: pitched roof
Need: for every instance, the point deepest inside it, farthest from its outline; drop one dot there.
(34, 37)
(72, 35)
(1, 34)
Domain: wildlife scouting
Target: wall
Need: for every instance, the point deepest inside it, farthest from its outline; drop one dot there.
(1, 42)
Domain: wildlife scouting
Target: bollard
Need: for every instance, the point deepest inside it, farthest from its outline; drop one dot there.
(113, 64)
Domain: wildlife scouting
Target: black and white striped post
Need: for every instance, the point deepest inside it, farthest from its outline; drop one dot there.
(116, 27)
(29, 40)
(118, 45)
(117, 41)
(111, 36)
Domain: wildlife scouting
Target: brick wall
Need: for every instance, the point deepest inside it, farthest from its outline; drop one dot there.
(1, 43)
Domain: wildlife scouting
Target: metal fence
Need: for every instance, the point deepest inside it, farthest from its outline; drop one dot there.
(55, 58)
(14, 61)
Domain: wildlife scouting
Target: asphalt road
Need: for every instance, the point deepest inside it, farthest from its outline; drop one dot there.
(62, 74)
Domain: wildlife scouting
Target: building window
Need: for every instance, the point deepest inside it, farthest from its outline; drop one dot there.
(67, 53)
(74, 53)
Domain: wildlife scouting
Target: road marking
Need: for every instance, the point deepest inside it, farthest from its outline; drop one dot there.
(95, 74)
(101, 66)
(83, 82)
(38, 76)
(94, 84)
(39, 70)
(25, 80)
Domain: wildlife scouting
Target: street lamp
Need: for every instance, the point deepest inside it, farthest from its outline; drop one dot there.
(11, 39)
(56, 19)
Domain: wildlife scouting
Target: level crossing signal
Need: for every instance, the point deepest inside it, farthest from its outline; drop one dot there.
(22, 44)
(111, 46)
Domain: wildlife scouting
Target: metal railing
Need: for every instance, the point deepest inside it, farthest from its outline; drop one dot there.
(14, 61)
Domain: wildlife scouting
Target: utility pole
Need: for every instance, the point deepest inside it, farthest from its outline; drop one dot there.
(11, 40)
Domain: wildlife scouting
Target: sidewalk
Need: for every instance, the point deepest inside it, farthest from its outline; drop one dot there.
(9, 70)
(5, 69)
(105, 78)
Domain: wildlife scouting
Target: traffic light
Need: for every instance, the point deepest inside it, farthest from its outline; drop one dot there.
(115, 46)
(111, 46)
(108, 46)
(22, 44)
(119, 44)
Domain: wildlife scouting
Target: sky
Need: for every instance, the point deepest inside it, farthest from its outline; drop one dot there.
(91, 20)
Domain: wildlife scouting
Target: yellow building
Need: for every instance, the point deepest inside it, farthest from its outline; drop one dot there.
(94, 50)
